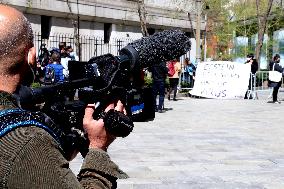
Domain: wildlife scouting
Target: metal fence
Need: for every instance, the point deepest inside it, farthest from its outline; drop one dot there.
(262, 80)
(89, 45)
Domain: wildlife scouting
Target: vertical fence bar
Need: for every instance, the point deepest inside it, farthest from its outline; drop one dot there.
(101, 45)
(96, 47)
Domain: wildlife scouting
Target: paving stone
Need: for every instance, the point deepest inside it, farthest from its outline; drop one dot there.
(205, 144)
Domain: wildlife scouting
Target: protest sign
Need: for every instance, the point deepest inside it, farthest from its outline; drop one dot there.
(221, 79)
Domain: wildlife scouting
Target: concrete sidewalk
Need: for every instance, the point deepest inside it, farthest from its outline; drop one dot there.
(205, 144)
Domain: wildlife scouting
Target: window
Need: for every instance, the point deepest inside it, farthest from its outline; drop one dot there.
(107, 32)
(45, 26)
(189, 34)
(151, 31)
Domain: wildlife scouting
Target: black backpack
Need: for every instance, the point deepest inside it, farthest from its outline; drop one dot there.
(49, 77)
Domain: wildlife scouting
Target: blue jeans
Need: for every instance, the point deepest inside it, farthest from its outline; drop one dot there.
(159, 88)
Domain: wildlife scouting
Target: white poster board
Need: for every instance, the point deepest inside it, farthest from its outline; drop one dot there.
(221, 79)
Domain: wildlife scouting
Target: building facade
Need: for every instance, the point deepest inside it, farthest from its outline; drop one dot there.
(103, 21)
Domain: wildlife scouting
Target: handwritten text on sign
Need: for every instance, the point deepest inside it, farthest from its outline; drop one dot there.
(219, 79)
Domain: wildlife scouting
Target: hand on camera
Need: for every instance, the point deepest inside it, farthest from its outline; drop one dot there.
(97, 134)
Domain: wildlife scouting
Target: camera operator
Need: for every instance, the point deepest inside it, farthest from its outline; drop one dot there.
(30, 156)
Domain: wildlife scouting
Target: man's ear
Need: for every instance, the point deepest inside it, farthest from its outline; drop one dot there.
(31, 59)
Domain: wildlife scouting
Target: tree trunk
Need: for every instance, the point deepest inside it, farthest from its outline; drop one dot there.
(262, 21)
(142, 16)
(191, 25)
(75, 27)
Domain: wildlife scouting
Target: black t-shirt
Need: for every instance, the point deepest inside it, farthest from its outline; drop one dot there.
(159, 71)
(254, 66)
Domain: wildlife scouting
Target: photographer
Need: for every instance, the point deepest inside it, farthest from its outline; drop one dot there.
(30, 156)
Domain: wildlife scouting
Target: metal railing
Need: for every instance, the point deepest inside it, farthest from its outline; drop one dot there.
(262, 80)
(89, 45)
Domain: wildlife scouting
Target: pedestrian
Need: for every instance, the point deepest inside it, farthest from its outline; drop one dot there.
(159, 75)
(174, 67)
(42, 61)
(254, 67)
(186, 71)
(190, 70)
(62, 49)
(71, 54)
(54, 70)
(275, 66)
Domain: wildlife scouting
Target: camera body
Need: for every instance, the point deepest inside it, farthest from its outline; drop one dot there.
(113, 81)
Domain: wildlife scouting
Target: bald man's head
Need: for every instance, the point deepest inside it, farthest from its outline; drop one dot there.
(16, 38)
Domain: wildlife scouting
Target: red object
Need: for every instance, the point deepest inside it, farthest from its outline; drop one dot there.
(171, 67)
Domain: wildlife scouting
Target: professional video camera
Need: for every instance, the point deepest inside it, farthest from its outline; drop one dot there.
(105, 79)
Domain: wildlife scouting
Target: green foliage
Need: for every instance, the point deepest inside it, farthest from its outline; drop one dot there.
(220, 25)
(277, 20)
(35, 85)
(225, 57)
(29, 3)
(184, 91)
(239, 18)
(184, 84)
(242, 51)
(246, 17)
(148, 81)
(243, 29)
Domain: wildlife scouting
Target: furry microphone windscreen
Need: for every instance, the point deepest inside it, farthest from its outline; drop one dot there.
(161, 46)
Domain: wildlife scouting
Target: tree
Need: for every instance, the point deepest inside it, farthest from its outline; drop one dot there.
(219, 29)
(248, 18)
(177, 7)
(259, 17)
(186, 7)
(142, 16)
(190, 8)
(75, 20)
(262, 22)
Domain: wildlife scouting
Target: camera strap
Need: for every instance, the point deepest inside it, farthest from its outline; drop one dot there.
(10, 119)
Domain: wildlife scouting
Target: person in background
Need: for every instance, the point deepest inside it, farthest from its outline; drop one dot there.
(33, 157)
(190, 70)
(185, 70)
(54, 70)
(71, 54)
(42, 61)
(174, 79)
(253, 63)
(274, 65)
(62, 47)
(254, 67)
(159, 75)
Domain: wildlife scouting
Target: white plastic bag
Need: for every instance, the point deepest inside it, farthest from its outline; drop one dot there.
(274, 76)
